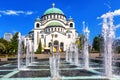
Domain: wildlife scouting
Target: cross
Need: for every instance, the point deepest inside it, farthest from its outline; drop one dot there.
(53, 5)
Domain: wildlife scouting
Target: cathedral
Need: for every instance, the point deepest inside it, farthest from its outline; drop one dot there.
(53, 29)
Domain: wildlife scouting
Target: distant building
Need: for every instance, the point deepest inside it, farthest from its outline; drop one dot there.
(8, 36)
(53, 28)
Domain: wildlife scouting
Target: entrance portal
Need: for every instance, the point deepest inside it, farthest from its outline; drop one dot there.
(56, 46)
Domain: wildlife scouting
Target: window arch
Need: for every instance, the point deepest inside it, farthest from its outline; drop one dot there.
(71, 24)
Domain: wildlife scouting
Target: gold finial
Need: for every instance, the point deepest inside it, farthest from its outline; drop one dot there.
(53, 5)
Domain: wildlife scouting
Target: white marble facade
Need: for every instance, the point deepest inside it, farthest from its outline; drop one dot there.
(53, 27)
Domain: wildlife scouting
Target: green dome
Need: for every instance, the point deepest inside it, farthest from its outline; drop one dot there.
(53, 10)
(54, 24)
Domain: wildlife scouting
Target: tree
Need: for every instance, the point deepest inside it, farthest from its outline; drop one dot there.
(117, 49)
(39, 50)
(79, 42)
(4, 46)
(14, 44)
(97, 43)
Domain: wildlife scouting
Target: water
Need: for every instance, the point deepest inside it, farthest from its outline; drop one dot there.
(67, 54)
(20, 51)
(32, 53)
(54, 67)
(85, 47)
(108, 35)
(54, 62)
(71, 53)
(41, 71)
(76, 56)
(28, 55)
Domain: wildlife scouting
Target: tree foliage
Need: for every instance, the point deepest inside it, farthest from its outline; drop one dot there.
(39, 50)
(79, 41)
(2, 48)
(14, 44)
(9, 47)
(117, 49)
(4, 45)
(97, 42)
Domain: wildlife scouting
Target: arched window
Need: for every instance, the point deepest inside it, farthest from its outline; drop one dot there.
(61, 44)
(56, 43)
(50, 44)
(42, 36)
(71, 24)
(55, 29)
(37, 25)
(51, 29)
(58, 29)
(69, 36)
(56, 35)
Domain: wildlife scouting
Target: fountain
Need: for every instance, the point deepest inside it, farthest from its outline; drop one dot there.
(27, 53)
(85, 47)
(54, 62)
(19, 51)
(108, 35)
(29, 57)
(67, 54)
(76, 56)
(54, 67)
(32, 52)
(71, 53)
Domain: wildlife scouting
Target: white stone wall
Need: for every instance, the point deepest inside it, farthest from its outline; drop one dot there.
(62, 36)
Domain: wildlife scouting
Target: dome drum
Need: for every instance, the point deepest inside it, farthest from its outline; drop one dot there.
(54, 29)
(53, 16)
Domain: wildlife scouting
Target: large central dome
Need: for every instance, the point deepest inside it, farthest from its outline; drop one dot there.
(53, 10)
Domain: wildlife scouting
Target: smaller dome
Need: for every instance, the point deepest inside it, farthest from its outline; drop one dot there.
(54, 24)
(38, 19)
(70, 18)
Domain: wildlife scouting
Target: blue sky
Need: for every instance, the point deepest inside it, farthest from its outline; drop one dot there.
(19, 15)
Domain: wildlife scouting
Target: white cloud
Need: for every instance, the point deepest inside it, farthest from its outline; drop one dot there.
(14, 12)
(29, 13)
(114, 13)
